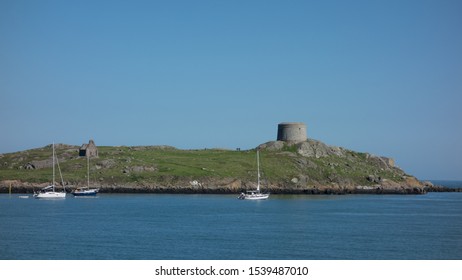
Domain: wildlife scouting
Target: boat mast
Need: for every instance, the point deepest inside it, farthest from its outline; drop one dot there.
(88, 170)
(60, 174)
(258, 170)
(53, 183)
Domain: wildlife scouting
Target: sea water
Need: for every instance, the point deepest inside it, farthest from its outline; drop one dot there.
(162, 227)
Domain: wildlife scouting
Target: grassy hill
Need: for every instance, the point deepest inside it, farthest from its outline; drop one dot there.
(285, 169)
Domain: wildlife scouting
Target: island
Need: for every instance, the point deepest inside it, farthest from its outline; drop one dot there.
(288, 167)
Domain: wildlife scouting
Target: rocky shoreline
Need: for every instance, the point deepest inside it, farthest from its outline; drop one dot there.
(237, 186)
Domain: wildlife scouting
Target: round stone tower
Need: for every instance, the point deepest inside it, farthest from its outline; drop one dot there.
(292, 132)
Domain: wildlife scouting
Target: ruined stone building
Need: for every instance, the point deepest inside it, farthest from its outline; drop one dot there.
(88, 150)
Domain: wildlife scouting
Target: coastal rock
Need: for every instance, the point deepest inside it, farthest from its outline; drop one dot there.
(308, 148)
(29, 166)
(107, 163)
(383, 162)
(317, 149)
(374, 179)
(413, 182)
(272, 146)
(428, 184)
(234, 185)
(139, 169)
(39, 164)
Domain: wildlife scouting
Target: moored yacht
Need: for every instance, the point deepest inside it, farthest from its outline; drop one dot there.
(86, 191)
(255, 194)
(50, 192)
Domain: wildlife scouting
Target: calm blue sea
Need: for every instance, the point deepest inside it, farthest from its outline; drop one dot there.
(160, 227)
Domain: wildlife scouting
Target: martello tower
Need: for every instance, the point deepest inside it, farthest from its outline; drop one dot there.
(292, 132)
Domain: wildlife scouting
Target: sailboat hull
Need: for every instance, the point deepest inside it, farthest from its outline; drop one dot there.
(89, 192)
(261, 197)
(254, 196)
(50, 195)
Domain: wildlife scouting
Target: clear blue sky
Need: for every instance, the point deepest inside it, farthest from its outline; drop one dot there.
(383, 77)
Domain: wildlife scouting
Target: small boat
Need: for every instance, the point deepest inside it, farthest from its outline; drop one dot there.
(86, 191)
(49, 192)
(255, 194)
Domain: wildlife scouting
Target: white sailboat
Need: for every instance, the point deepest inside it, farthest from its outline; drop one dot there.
(49, 192)
(255, 194)
(86, 191)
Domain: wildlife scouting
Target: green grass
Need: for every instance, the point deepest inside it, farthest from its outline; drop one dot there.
(150, 165)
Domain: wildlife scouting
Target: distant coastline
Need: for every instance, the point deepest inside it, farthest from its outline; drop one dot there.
(453, 184)
(445, 186)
